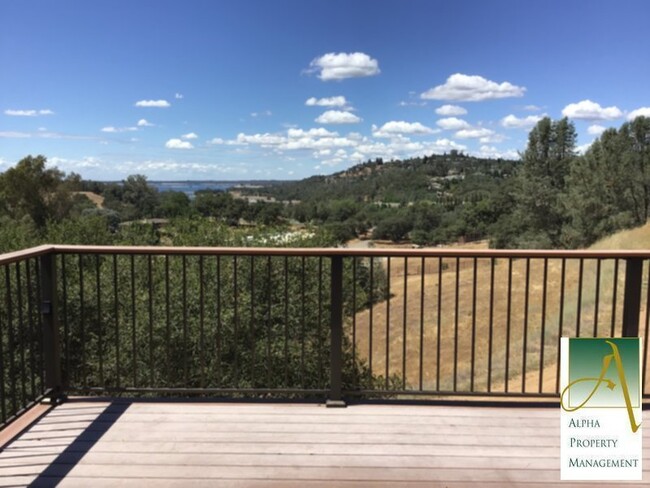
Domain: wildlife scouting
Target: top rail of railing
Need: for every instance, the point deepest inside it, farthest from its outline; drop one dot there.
(319, 251)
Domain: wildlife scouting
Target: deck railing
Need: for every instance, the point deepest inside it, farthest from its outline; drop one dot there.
(328, 323)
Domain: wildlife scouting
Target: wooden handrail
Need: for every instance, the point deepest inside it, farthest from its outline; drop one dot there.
(341, 251)
(23, 254)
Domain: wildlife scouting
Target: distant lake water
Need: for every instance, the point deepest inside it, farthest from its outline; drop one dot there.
(191, 187)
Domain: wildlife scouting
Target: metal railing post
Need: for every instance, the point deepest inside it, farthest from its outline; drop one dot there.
(51, 343)
(336, 333)
(632, 297)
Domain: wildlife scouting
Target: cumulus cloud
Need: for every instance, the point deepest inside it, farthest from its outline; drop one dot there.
(316, 132)
(474, 133)
(191, 135)
(450, 110)
(338, 117)
(153, 103)
(28, 113)
(452, 123)
(178, 144)
(588, 110)
(398, 127)
(472, 88)
(265, 139)
(144, 123)
(178, 96)
(114, 130)
(596, 129)
(513, 122)
(583, 148)
(338, 101)
(339, 66)
(639, 112)
(492, 152)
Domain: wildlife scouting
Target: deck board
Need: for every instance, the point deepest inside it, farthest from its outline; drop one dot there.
(81, 443)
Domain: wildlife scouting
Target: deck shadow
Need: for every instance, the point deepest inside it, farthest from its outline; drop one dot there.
(77, 449)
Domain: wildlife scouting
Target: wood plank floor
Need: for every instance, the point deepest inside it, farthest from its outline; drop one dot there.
(129, 444)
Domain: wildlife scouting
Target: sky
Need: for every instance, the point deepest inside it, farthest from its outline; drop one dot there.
(285, 89)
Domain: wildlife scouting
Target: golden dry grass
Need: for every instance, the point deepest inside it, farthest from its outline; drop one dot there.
(412, 312)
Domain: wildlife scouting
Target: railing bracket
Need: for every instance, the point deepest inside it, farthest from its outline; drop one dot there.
(335, 404)
(54, 400)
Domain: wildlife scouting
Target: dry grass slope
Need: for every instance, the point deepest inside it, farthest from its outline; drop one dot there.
(405, 328)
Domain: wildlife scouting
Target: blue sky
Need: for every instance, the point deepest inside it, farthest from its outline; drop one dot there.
(286, 89)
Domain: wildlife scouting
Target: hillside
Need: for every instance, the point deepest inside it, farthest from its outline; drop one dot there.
(430, 177)
(404, 317)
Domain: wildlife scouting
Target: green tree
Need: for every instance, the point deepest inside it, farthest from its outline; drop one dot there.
(30, 189)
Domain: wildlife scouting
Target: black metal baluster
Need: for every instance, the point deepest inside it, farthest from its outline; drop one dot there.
(32, 338)
(252, 317)
(525, 349)
(10, 341)
(372, 289)
(100, 331)
(21, 333)
(579, 304)
(404, 321)
(219, 324)
(186, 348)
(168, 323)
(543, 338)
(201, 322)
(422, 323)
(597, 300)
(457, 298)
(116, 311)
(269, 318)
(150, 303)
(387, 322)
(235, 322)
(439, 332)
(614, 296)
(560, 324)
(82, 322)
(303, 306)
(133, 325)
(491, 326)
(508, 314)
(286, 320)
(474, 279)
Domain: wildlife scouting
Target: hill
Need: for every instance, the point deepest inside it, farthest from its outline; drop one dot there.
(402, 181)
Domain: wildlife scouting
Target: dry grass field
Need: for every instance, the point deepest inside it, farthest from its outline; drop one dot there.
(411, 316)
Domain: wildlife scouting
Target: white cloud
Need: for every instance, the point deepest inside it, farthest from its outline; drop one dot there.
(339, 66)
(474, 133)
(317, 132)
(639, 112)
(12, 134)
(28, 113)
(492, 152)
(261, 139)
(74, 164)
(178, 144)
(191, 135)
(492, 139)
(217, 140)
(178, 96)
(583, 148)
(397, 127)
(338, 101)
(153, 103)
(338, 117)
(144, 123)
(449, 110)
(596, 129)
(532, 108)
(115, 130)
(588, 110)
(452, 123)
(474, 88)
(512, 121)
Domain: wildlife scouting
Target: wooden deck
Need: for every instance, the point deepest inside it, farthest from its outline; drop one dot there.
(132, 444)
